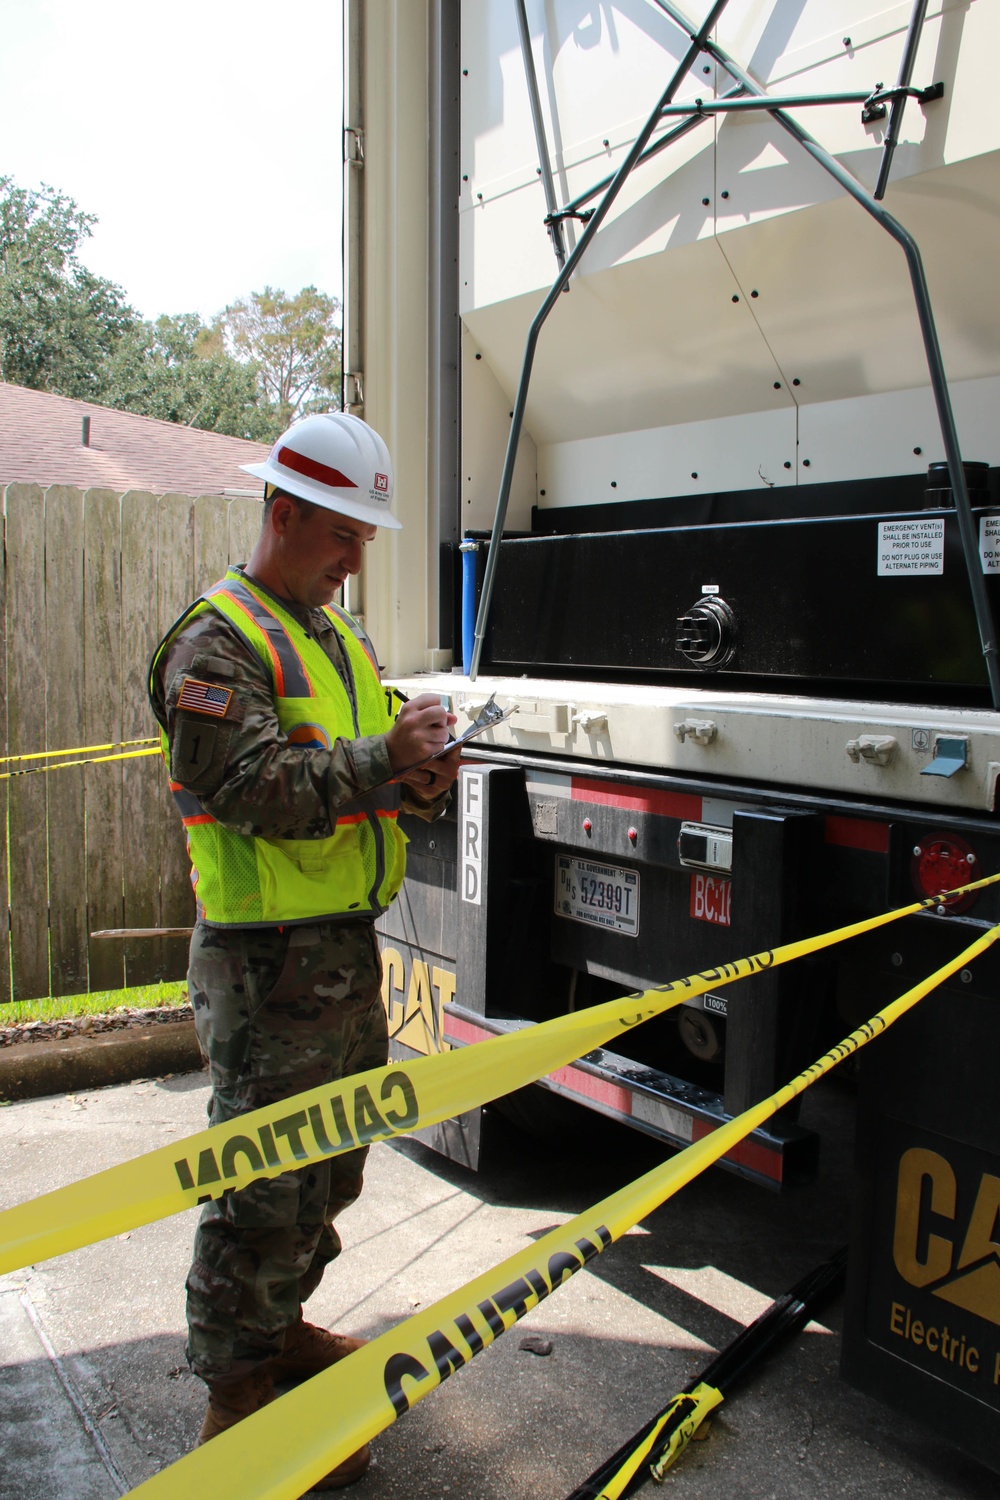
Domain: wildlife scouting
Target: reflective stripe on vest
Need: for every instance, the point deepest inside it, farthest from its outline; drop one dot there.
(291, 680)
(245, 881)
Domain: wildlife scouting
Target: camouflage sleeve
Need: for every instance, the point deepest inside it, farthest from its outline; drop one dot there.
(227, 748)
(412, 802)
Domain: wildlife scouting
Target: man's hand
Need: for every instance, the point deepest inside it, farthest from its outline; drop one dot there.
(419, 733)
(436, 776)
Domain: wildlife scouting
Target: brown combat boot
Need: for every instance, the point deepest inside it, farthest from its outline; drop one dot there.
(348, 1472)
(308, 1350)
(229, 1401)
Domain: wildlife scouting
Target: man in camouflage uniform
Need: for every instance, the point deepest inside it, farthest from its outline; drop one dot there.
(291, 999)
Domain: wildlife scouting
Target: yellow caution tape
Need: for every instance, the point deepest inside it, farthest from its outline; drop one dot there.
(148, 739)
(683, 1416)
(280, 1451)
(366, 1107)
(95, 760)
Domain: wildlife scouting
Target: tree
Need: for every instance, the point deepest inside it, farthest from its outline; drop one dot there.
(58, 321)
(264, 361)
(295, 343)
(178, 370)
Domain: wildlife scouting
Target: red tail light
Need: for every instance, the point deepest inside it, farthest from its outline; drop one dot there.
(941, 864)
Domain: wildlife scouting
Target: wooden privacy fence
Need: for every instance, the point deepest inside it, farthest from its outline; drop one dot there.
(90, 582)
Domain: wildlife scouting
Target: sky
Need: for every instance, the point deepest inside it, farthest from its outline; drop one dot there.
(204, 134)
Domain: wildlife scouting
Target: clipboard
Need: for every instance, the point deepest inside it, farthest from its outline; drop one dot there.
(488, 717)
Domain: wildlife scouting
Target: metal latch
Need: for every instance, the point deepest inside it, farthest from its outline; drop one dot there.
(703, 847)
(876, 749)
(591, 722)
(354, 388)
(950, 755)
(702, 731)
(354, 146)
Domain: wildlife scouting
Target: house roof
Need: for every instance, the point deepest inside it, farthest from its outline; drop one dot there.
(41, 443)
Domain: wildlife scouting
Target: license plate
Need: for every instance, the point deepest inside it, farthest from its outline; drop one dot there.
(603, 895)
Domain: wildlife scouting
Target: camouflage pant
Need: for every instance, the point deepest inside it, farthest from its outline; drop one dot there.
(276, 1012)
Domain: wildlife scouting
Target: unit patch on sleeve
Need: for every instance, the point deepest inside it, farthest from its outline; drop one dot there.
(204, 697)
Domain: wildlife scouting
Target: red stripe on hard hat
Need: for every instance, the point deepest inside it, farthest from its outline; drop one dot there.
(311, 469)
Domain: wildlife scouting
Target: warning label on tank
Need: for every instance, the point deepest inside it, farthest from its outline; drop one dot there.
(989, 543)
(910, 547)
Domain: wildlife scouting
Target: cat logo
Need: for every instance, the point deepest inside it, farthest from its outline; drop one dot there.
(932, 1249)
(413, 992)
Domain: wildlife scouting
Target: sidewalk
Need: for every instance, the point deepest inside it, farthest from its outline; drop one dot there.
(95, 1394)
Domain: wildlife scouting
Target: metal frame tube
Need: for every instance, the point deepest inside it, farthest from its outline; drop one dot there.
(698, 43)
(553, 223)
(443, 323)
(899, 104)
(928, 330)
(788, 101)
(661, 145)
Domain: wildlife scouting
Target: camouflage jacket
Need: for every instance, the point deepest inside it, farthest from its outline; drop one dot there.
(253, 781)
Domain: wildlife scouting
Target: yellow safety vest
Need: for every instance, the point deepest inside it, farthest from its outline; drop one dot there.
(243, 881)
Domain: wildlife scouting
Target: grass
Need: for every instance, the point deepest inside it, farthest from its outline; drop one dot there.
(97, 1003)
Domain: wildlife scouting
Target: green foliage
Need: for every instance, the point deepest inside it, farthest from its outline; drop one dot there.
(176, 369)
(265, 360)
(58, 321)
(294, 342)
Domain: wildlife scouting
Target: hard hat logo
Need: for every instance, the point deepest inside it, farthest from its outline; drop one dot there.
(336, 461)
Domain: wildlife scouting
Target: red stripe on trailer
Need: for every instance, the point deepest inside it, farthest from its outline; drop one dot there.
(858, 833)
(464, 1031)
(612, 1095)
(637, 799)
(746, 1153)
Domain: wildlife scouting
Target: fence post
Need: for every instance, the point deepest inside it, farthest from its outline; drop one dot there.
(102, 722)
(26, 666)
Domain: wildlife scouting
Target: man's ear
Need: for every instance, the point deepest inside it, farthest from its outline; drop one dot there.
(283, 507)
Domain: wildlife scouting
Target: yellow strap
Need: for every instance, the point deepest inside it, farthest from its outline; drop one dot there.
(78, 750)
(280, 1451)
(96, 760)
(686, 1413)
(366, 1107)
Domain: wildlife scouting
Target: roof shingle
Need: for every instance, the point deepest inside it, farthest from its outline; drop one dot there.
(41, 443)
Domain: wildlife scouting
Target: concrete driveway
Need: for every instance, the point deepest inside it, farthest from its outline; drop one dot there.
(95, 1395)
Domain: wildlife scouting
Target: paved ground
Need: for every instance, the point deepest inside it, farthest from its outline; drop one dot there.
(95, 1395)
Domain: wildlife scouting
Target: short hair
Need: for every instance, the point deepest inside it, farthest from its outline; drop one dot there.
(271, 493)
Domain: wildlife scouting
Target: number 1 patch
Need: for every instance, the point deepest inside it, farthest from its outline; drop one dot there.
(193, 750)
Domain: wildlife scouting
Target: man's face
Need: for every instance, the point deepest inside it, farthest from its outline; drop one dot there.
(316, 553)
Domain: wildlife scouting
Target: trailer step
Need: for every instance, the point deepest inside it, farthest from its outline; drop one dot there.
(656, 1103)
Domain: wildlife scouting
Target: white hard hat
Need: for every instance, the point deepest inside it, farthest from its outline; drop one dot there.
(334, 460)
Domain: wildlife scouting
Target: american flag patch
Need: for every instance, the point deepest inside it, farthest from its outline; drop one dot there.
(204, 697)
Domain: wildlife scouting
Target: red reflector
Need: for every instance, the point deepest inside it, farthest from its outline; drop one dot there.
(939, 864)
(858, 833)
